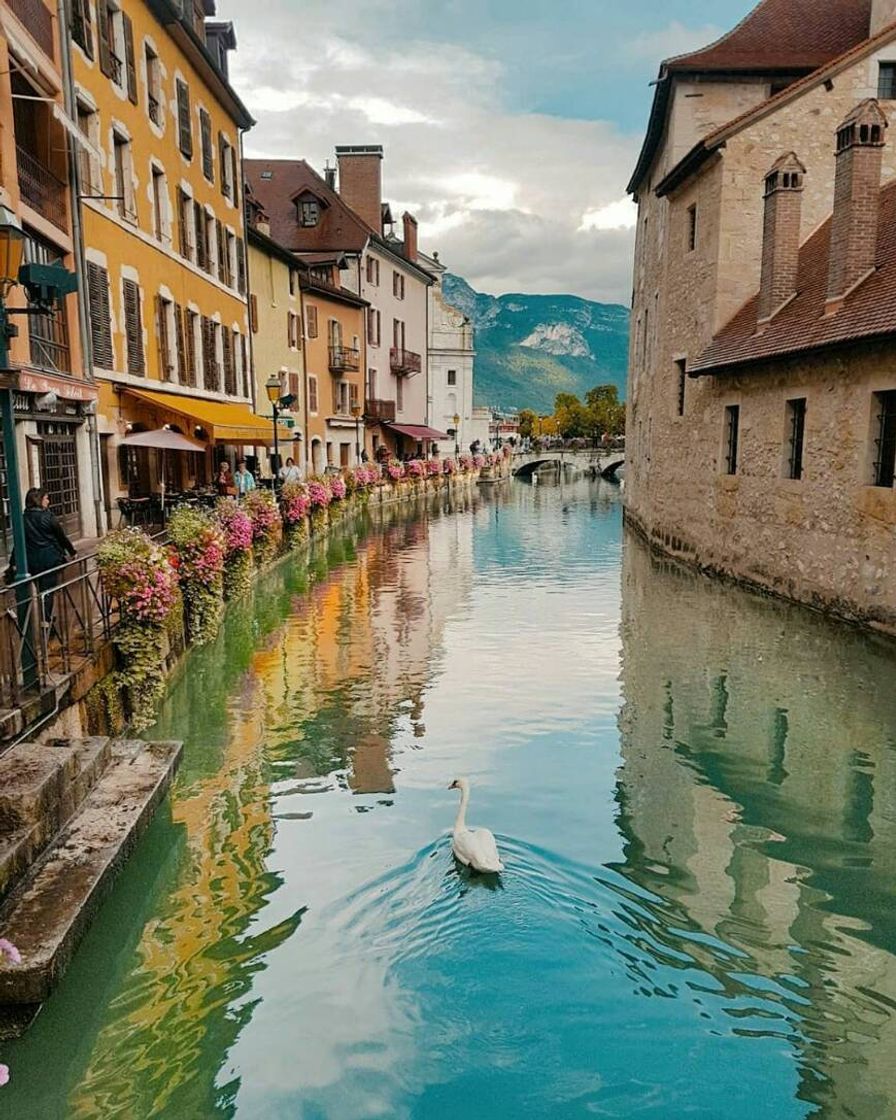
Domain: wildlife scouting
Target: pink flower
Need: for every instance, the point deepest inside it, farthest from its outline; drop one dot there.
(415, 469)
(395, 471)
(7, 949)
(4, 1074)
(337, 488)
(319, 494)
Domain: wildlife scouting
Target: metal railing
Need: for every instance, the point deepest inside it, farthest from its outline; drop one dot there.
(344, 358)
(115, 68)
(38, 20)
(379, 410)
(154, 108)
(40, 188)
(404, 361)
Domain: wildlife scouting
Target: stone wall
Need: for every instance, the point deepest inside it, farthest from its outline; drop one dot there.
(821, 540)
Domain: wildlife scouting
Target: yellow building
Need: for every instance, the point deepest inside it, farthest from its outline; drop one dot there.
(164, 237)
(335, 358)
(275, 317)
(53, 403)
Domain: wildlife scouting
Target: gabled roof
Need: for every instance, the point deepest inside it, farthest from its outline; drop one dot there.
(869, 311)
(783, 35)
(788, 38)
(276, 183)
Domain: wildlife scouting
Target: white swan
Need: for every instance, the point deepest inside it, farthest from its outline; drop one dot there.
(474, 847)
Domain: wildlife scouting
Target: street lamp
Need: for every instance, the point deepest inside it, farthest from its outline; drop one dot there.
(356, 412)
(456, 420)
(274, 390)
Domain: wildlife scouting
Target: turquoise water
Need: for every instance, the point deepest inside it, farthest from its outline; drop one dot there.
(692, 790)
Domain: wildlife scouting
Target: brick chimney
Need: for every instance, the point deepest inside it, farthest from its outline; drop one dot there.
(883, 12)
(781, 234)
(853, 253)
(361, 181)
(410, 236)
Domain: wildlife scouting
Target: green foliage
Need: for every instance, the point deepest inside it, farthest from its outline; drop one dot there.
(601, 414)
(237, 575)
(527, 419)
(199, 544)
(105, 711)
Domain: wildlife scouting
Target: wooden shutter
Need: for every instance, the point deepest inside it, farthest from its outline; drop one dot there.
(184, 129)
(311, 320)
(294, 390)
(183, 375)
(240, 266)
(100, 315)
(82, 32)
(133, 329)
(245, 353)
(205, 137)
(235, 179)
(199, 223)
(253, 313)
(129, 57)
(190, 347)
(165, 366)
(353, 395)
(229, 372)
(371, 333)
(312, 394)
(224, 164)
(102, 27)
(222, 251)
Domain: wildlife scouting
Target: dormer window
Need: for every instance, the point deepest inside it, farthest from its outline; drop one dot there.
(309, 211)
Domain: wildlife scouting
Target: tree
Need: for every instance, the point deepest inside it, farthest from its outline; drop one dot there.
(570, 415)
(605, 413)
(527, 420)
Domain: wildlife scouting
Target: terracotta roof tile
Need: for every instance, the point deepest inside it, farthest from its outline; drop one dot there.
(275, 183)
(869, 311)
(785, 35)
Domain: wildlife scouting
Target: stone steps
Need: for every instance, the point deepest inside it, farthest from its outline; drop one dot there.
(103, 793)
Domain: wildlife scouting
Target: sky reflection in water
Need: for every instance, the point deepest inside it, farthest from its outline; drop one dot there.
(696, 915)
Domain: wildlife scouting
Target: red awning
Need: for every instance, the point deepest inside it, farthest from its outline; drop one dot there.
(417, 431)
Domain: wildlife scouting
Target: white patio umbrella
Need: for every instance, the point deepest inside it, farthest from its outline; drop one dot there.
(164, 440)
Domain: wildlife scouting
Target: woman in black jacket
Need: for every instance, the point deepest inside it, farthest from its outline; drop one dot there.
(46, 543)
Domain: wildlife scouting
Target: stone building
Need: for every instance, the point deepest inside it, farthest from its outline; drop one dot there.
(762, 396)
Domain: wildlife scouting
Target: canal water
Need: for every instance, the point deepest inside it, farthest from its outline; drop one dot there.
(692, 790)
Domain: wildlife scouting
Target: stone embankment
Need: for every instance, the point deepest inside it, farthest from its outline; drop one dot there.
(70, 814)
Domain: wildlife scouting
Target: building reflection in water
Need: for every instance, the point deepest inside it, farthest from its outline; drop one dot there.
(323, 698)
(757, 797)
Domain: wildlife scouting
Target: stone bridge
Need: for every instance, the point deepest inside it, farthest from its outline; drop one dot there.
(602, 461)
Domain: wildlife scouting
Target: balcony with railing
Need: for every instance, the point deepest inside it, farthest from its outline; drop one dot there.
(40, 188)
(404, 362)
(344, 359)
(36, 17)
(379, 410)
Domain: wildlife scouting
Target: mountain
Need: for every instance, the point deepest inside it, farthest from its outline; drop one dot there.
(529, 348)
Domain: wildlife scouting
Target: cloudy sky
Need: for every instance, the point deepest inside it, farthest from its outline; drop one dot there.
(510, 127)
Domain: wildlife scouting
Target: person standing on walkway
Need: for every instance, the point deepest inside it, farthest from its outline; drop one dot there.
(244, 480)
(289, 472)
(46, 544)
(224, 481)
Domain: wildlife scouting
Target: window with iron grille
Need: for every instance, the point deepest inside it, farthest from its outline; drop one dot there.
(47, 333)
(732, 426)
(885, 438)
(886, 81)
(58, 462)
(452, 376)
(796, 436)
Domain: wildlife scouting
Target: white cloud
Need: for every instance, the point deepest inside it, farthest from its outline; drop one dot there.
(673, 39)
(512, 200)
(622, 214)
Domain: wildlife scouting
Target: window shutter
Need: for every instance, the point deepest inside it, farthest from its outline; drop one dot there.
(184, 129)
(229, 378)
(100, 315)
(253, 313)
(183, 375)
(190, 346)
(102, 27)
(240, 267)
(129, 57)
(165, 366)
(294, 390)
(199, 222)
(245, 353)
(371, 333)
(133, 329)
(222, 251)
(235, 179)
(82, 33)
(205, 129)
(312, 394)
(223, 164)
(353, 395)
(311, 320)
(183, 203)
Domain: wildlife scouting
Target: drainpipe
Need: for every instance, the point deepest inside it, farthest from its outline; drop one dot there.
(250, 349)
(74, 170)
